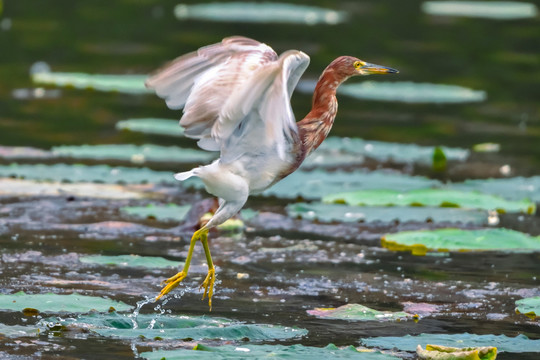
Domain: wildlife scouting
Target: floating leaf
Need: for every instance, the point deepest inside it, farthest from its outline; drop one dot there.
(134, 153)
(318, 183)
(151, 262)
(249, 351)
(420, 242)
(437, 352)
(55, 303)
(259, 13)
(178, 327)
(410, 92)
(24, 152)
(335, 147)
(503, 343)
(500, 10)
(487, 147)
(346, 213)
(131, 84)
(432, 197)
(529, 307)
(12, 331)
(152, 126)
(84, 173)
(10, 187)
(169, 212)
(358, 312)
(515, 188)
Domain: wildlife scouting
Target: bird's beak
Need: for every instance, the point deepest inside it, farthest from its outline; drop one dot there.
(377, 69)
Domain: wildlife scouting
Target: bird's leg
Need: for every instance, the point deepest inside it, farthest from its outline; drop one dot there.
(176, 279)
(208, 282)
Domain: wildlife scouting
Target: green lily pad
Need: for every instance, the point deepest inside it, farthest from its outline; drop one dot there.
(13, 331)
(420, 242)
(529, 307)
(84, 173)
(410, 92)
(11, 187)
(265, 12)
(134, 153)
(515, 188)
(503, 343)
(357, 312)
(169, 212)
(151, 262)
(384, 151)
(432, 197)
(346, 213)
(55, 303)
(318, 183)
(437, 352)
(24, 152)
(498, 10)
(487, 147)
(150, 326)
(266, 351)
(152, 126)
(131, 84)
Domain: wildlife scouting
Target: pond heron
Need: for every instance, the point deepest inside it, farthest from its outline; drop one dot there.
(236, 100)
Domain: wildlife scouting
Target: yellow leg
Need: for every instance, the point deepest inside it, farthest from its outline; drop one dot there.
(176, 279)
(208, 282)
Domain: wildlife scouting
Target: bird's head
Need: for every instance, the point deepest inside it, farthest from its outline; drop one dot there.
(351, 66)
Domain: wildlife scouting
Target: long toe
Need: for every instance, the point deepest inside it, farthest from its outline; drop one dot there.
(208, 285)
(171, 282)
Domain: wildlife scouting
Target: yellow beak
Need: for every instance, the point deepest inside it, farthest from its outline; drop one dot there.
(377, 69)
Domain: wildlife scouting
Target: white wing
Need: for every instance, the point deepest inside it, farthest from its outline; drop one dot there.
(235, 94)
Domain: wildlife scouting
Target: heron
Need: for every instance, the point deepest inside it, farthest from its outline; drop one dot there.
(235, 96)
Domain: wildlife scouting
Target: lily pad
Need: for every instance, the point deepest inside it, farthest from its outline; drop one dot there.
(503, 343)
(357, 312)
(420, 242)
(436, 352)
(131, 84)
(265, 12)
(24, 152)
(152, 126)
(499, 10)
(318, 183)
(84, 173)
(432, 197)
(11, 187)
(134, 153)
(170, 212)
(267, 351)
(386, 151)
(55, 303)
(529, 307)
(346, 213)
(12, 331)
(151, 262)
(151, 326)
(515, 188)
(410, 92)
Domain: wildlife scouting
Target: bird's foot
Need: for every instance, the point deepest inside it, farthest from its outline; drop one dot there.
(171, 282)
(208, 285)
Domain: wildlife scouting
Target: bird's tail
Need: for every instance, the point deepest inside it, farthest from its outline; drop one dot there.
(185, 175)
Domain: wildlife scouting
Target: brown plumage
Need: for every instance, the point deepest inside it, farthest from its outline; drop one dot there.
(236, 99)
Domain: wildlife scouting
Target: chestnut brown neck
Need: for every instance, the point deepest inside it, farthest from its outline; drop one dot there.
(314, 128)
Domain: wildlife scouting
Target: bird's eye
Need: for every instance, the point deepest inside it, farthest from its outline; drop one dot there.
(358, 64)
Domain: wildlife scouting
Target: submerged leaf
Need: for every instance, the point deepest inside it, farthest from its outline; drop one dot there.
(260, 13)
(420, 242)
(169, 212)
(503, 343)
(55, 303)
(129, 261)
(168, 326)
(250, 351)
(357, 312)
(131, 84)
(134, 153)
(432, 197)
(152, 126)
(347, 213)
(500, 10)
(437, 352)
(529, 307)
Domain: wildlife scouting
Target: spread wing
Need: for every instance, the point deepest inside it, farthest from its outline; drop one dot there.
(235, 95)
